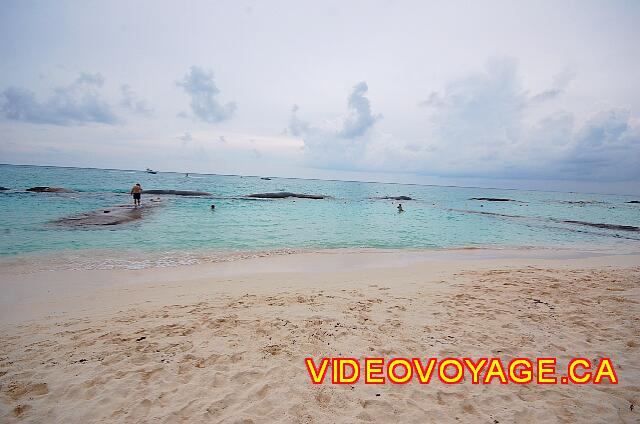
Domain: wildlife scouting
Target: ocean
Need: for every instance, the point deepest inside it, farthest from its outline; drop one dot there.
(354, 215)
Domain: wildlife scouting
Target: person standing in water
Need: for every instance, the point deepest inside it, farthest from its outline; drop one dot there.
(400, 208)
(136, 191)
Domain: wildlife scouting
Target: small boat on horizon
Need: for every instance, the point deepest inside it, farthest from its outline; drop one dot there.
(151, 171)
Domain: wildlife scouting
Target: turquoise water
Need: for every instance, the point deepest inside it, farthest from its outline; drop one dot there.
(440, 217)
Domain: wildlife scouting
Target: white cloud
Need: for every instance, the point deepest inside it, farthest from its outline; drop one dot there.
(77, 103)
(359, 119)
(486, 124)
(185, 138)
(342, 142)
(131, 102)
(482, 125)
(199, 84)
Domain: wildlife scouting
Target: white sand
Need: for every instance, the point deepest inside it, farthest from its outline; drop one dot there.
(226, 342)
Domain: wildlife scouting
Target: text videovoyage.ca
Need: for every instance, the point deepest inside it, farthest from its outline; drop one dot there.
(340, 370)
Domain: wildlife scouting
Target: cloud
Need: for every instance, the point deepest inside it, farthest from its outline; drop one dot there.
(130, 101)
(360, 118)
(76, 104)
(297, 127)
(90, 79)
(481, 109)
(185, 138)
(342, 142)
(559, 86)
(433, 100)
(483, 125)
(607, 147)
(200, 86)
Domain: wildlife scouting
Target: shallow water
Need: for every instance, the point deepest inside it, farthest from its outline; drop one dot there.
(440, 217)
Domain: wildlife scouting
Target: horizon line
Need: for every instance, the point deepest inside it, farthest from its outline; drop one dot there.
(321, 179)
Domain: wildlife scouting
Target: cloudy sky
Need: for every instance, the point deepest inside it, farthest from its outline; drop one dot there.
(502, 94)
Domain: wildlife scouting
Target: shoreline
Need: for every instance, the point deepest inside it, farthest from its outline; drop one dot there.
(112, 259)
(25, 284)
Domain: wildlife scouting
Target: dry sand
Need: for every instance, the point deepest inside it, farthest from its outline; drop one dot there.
(226, 342)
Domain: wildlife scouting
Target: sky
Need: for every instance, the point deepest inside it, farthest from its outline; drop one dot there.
(534, 95)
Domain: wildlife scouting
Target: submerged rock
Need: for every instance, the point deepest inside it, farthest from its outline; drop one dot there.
(492, 199)
(284, 195)
(116, 215)
(394, 198)
(177, 192)
(46, 189)
(602, 225)
(615, 227)
(4, 188)
(579, 202)
(634, 201)
(265, 178)
(485, 213)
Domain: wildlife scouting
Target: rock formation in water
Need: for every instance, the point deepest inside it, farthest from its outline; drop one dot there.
(177, 192)
(615, 227)
(284, 195)
(46, 189)
(602, 225)
(634, 201)
(492, 199)
(579, 202)
(394, 198)
(116, 215)
(4, 188)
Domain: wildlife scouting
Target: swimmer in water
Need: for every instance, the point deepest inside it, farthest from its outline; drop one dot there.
(400, 208)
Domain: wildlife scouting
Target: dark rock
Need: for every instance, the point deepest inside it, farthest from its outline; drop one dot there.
(177, 192)
(266, 178)
(486, 213)
(395, 198)
(603, 225)
(117, 215)
(45, 189)
(615, 227)
(3, 188)
(579, 202)
(492, 199)
(633, 201)
(310, 196)
(284, 195)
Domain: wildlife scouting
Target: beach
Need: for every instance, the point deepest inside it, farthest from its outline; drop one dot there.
(319, 212)
(226, 341)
